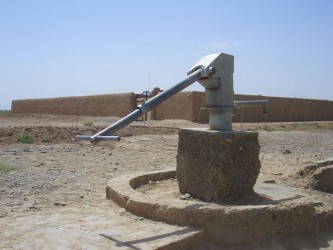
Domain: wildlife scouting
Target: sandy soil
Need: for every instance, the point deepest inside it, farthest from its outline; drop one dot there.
(62, 179)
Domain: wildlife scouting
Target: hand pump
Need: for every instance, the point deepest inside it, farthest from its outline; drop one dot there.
(215, 73)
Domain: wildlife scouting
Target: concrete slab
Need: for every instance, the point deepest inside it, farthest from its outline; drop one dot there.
(273, 194)
(78, 229)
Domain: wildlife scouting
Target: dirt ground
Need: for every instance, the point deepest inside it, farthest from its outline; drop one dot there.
(60, 183)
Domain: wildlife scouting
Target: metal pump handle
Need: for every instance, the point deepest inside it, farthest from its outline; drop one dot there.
(215, 73)
(142, 109)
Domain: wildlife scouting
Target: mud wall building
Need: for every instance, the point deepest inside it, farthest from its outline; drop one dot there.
(94, 105)
(188, 105)
(184, 105)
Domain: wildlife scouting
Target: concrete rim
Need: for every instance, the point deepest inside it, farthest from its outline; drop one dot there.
(227, 225)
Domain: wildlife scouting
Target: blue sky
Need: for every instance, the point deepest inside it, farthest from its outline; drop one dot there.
(79, 47)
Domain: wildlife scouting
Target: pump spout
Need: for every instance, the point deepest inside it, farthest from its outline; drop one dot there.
(253, 103)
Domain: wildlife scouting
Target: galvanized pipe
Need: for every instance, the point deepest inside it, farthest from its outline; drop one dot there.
(161, 97)
(253, 103)
(116, 126)
(108, 138)
(142, 109)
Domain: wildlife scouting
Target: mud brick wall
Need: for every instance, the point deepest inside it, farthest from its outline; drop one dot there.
(95, 105)
(286, 110)
(184, 105)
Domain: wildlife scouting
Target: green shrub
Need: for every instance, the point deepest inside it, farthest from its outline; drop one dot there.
(25, 138)
(88, 124)
(5, 113)
(4, 168)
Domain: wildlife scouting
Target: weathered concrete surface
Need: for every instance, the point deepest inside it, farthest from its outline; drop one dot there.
(83, 228)
(216, 165)
(284, 212)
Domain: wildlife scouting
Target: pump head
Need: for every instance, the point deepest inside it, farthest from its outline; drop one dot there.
(217, 78)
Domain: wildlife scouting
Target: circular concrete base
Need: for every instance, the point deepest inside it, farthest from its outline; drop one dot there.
(273, 210)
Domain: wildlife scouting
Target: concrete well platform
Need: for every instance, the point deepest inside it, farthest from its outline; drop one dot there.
(273, 210)
(217, 165)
